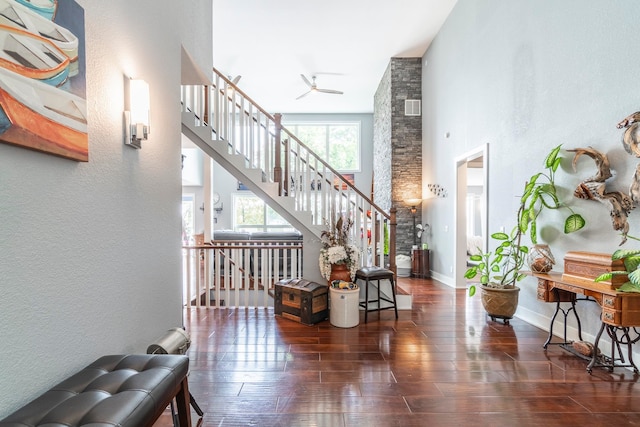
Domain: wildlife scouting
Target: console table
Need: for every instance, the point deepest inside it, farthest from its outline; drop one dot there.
(420, 263)
(620, 314)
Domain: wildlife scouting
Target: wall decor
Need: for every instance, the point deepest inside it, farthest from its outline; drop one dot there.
(43, 82)
(349, 177)
(631, 136)
(594, 188)
(631, 144)
(438, 190)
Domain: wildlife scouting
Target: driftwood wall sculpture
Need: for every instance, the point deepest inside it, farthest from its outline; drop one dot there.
(594, 188)
(631, 144)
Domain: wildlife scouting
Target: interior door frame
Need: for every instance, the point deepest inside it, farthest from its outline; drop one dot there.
(460, 227)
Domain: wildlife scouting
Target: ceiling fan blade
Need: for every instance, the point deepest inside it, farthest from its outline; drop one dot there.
(337, 92)
(303, 95)
(306, 80)
(236, 80)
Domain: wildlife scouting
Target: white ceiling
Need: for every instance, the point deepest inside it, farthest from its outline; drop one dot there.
(347, 44)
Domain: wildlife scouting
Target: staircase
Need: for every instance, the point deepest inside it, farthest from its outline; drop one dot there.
(252, 145)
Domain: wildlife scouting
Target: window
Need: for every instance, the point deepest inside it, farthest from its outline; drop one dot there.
(336, 143)
(250, 213)
(188, 226)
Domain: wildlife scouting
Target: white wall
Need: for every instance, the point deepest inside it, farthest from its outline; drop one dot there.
(525, 76)
(91, 261)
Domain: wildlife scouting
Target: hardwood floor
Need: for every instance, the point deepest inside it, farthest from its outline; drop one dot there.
(443, 363)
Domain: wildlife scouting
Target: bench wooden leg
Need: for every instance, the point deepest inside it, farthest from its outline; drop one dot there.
(182, 402)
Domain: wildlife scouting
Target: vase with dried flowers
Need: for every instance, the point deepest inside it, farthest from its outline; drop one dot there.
(338, 257)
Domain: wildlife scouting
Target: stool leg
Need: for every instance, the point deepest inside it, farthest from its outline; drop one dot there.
(366, 300)
(379, 306)
(393, 293)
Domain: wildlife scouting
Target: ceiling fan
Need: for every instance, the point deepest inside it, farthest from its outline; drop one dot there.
(314, 88)
(234, 80)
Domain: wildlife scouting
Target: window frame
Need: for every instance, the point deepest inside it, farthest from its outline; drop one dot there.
(265, 226)
(293, 127)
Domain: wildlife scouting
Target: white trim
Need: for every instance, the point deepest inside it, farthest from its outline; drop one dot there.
(459, 229)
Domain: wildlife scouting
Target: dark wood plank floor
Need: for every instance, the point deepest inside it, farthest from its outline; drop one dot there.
(443, 363)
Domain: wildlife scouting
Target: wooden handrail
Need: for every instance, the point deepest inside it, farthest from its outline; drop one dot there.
(300, 174)
(281, 128)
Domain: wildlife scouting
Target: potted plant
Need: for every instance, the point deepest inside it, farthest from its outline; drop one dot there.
(631, 258)
(338, 258)
(501, 268)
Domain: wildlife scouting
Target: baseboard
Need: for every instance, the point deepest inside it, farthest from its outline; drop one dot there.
(445, 280)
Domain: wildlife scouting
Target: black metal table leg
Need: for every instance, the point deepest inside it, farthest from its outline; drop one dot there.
(565, 313)
(609, 362)
(594, 357)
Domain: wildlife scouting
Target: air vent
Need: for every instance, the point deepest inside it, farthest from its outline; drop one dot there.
(412, 107)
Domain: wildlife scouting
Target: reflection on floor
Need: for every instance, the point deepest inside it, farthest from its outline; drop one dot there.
(443, 363)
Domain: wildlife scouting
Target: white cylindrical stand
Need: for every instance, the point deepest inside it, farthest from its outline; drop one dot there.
(344, 308)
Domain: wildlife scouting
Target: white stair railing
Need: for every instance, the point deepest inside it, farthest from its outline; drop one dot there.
(249, 131)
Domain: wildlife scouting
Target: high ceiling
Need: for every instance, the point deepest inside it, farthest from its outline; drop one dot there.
(347, 44)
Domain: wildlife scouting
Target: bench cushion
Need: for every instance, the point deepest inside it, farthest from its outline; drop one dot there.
(117, 390)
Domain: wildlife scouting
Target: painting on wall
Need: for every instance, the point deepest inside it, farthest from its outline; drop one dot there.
(42, 77)
(350, 177)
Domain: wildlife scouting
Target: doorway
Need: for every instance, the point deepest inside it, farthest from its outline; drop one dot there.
(470, 208)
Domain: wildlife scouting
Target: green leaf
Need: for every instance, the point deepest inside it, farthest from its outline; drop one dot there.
(604, 276)
(484, 279)
(632, 263)
(634, 277)
(524, 223)
(495, 268)
(556, 164)
(629, 287)
(624, 253)
(548, 189)
(533, 234)
(500, 236)
(497, 260)
(534, 178)
(475, 257)
(520, 276)
(573, 223)
(472, 290)
(528, 188)
(552, 157)
(471, 273)
(524, 249)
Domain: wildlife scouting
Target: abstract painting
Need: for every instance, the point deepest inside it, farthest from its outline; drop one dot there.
(42, 77)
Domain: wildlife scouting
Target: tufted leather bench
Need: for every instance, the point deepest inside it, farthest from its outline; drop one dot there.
(118, 390)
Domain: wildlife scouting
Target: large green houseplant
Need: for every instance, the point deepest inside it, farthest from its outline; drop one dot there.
(501, 268)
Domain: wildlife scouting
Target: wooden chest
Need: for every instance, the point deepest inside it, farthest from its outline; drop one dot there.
(589, 265)
(301, 300)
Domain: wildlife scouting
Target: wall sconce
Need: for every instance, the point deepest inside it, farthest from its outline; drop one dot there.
(413, 207)
(137, 117)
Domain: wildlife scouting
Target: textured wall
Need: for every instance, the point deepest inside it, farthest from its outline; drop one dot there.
(406, 142)
(91, 260)
(382, 142)
(398, 145)
(525, 76)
